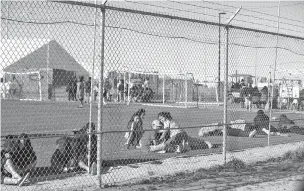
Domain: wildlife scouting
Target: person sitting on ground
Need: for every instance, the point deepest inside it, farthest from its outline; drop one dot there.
(154, 139)
(28, 158)
(261, 124)
(69, 149)
(288, 126)
(80, 148)
(83, 158)
(178, 137)
(85, 129)
(151, 137)
(261, 121)
(61, 158)
(10, 172)
(178, 141)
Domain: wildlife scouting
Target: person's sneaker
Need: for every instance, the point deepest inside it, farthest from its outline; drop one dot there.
(253, 133)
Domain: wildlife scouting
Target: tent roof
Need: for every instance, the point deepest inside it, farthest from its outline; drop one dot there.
(58, 58)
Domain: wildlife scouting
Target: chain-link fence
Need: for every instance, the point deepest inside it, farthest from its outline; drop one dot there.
(94, 96)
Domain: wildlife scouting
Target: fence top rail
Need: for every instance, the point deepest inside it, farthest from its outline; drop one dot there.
(176, 17)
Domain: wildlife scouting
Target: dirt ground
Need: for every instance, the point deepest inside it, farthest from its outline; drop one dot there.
(286, 175)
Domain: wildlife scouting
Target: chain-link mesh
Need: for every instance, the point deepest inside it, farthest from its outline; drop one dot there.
(160, 93)
(263, 85)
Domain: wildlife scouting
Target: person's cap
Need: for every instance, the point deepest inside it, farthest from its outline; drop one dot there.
(156, 124)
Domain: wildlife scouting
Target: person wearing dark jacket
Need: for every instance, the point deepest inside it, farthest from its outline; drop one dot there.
(11, 160)
(70, 89)
(264, 96)
(261, 123)
(26, 153)
(288, 126)
(62, 155)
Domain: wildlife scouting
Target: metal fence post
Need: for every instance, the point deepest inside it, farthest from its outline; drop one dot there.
(100, 102)
(164, 89)
(274, 73)
(92, 92)
(225, 98)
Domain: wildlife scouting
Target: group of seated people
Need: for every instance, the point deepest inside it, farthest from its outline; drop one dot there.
(260, 126)
(168, 136)
(165, 135)
(18, 158)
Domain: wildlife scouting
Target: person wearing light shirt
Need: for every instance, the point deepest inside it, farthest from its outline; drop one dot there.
(172, 136)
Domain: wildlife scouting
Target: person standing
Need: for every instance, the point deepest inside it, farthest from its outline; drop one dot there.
(135, 133)
(95, 91)
(146, 83)
(80, 91)
(14, 87)
(248, 97)
(88, 90)
(74, 88)
(69, 89)
(120, 89)
(135, 126)
(107, 89)
(264, 96)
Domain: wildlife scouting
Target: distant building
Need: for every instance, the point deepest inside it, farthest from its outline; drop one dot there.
(54, 64)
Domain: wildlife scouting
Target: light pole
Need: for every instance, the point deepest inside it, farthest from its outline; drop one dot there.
(226, 86)
(219, 59)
